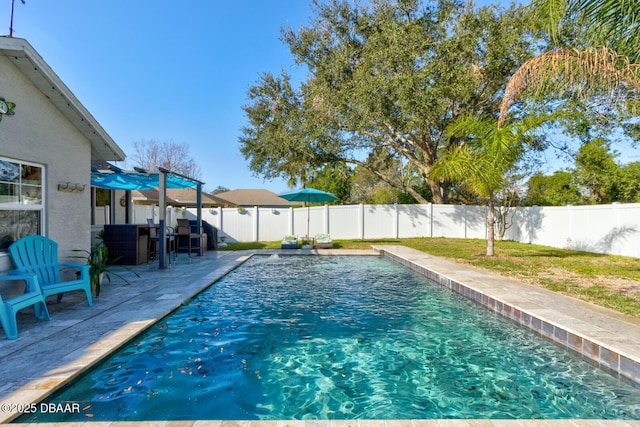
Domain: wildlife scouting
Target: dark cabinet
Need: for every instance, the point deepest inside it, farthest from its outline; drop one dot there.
(128, 243)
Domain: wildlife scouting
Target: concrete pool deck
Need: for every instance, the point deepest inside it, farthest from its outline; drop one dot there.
(48, 354)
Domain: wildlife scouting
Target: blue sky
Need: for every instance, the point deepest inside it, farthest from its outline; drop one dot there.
(166, 69)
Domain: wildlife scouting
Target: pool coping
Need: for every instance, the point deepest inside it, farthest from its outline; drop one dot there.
(605, 337)
(212, 267)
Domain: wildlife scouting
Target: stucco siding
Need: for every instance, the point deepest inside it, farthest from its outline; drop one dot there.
(40, 133)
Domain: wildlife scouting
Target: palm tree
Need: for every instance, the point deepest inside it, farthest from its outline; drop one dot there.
(483, 160)
(608, 65)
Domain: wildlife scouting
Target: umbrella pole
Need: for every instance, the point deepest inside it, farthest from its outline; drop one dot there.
(308, 214)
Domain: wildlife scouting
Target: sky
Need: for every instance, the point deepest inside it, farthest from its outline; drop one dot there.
(167, 70)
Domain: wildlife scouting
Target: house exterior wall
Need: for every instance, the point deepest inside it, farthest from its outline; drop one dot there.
(40, 133)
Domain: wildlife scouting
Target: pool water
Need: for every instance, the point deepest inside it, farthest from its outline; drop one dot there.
(341, 338)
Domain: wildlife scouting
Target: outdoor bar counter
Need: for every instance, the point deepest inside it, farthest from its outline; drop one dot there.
(128, 243)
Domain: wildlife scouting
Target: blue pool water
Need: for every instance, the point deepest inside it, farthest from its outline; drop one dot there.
(340, 338)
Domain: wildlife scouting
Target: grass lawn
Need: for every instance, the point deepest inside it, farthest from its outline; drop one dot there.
(607, 280)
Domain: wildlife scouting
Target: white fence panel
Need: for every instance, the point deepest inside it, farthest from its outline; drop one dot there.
(213, 216)
(345, 222)
(626, 234)
(317, 221)
(273, 224)
(475, 225)
(300, 222)
(414, 221)
(525, 224)
(598, 229)
(518, 229)
(613, 229)
(588, 227)
(448, 221)
(379, 221)
(102, 215)
(551, 226)
(140, 213)
(238, 226)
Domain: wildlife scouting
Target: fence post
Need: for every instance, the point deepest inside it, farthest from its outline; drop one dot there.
(361, 231)
(430, 207)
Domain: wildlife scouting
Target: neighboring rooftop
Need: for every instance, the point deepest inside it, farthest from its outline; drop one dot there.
(255, 197)
(185, 197)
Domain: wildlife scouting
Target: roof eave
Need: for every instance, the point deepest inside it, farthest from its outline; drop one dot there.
(27, 60)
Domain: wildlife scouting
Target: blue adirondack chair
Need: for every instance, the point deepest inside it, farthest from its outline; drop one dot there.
(39, 255)
(9, 307)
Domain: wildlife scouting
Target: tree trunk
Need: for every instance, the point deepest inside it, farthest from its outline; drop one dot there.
(491, 223)
(439, 192)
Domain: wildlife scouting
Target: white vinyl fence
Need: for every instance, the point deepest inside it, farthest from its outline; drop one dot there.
(612, 229)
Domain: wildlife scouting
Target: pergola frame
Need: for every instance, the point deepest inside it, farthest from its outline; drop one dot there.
(141, 179)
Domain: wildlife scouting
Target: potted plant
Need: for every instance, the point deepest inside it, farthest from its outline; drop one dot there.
(305, 243)
(99, 265)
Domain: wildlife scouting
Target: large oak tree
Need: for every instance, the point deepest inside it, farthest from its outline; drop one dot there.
(383, 76)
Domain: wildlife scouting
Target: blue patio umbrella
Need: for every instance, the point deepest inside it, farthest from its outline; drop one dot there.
(308, 195)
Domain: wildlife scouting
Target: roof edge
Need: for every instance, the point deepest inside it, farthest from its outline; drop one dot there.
(17, 50)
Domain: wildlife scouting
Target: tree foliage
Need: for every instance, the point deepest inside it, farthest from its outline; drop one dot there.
(279, 140)
(387, 76)
(220, 189)
(488, 153)
(557, 189)
(603, 178)
(597, 178)
(597, 75)
(335, 179)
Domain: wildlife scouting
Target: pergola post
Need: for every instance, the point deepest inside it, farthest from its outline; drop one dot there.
(162, 217)
(199, 215)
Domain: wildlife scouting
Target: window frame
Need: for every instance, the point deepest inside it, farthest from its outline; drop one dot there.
(22, 204)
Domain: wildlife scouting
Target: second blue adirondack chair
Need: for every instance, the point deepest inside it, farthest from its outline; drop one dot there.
(9, 307)
(39, 255)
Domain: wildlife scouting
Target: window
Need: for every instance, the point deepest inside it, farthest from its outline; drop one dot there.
(21, 200)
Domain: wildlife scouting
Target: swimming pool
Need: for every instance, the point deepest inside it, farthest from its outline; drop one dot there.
(341, 337)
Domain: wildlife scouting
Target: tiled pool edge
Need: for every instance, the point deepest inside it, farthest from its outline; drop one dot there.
(29, 397)
(606, 357)
(39, 389)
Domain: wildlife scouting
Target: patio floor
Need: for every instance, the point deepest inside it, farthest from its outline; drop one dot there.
(47, 354)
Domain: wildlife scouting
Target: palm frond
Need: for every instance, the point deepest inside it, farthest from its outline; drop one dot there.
(615, 23)
(585, 71)
(549, 13)
(486, 152)
(463, 165)
(470, 127)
